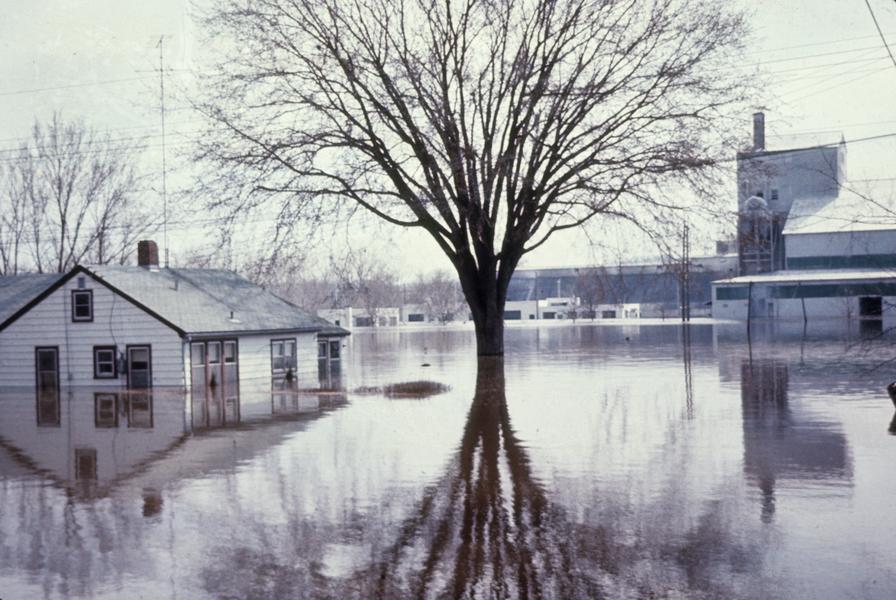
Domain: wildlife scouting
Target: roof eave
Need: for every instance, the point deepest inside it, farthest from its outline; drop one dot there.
(242, 332)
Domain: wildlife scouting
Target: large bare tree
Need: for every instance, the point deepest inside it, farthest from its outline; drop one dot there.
(491, 124)
(69, 195)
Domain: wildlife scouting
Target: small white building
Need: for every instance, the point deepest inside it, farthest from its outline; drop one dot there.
(350, 318)
(829, 293)
(209, 332)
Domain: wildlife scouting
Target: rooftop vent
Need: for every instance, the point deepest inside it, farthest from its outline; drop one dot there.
(148, 254)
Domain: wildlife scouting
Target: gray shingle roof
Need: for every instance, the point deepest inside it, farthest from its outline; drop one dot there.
(17, 290)
(211, 301)
(197, 301)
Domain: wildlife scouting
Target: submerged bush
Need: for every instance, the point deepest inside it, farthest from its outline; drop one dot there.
(406, 389)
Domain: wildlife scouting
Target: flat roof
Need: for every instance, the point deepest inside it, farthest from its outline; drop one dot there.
(811, 276)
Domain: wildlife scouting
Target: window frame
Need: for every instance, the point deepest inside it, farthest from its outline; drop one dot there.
(38, 388)
(127, 353)
(295, 350)
(97, 398)
(96, 373)
(75, 317)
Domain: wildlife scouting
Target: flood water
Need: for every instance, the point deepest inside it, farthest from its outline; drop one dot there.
(594, 461)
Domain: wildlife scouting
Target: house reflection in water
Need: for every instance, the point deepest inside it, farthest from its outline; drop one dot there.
(784, 442)
(89, 440)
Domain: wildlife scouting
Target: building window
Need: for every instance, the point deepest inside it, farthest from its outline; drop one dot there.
(139, 411)
(139, 367)
(82, 305)
(105, 410)
(283, 356)
(85, 464)
(214, 353)
(774, 194)
(104, 362)
(334, 349)
(229, 352)
(47, 372)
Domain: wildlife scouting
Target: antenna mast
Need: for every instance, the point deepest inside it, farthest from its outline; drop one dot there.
(164, 166)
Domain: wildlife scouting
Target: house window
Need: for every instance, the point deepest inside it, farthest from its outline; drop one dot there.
(139, 411)
(229, 352)
(82, 305)
(139, 367)
(334, 350)
(214, 353)
(85, 464)
(774, 194)
(283, 356)
(104, 362)
(105, 410)
(47, 374)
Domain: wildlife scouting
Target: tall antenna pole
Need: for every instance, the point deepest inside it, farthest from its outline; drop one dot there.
(164, 165)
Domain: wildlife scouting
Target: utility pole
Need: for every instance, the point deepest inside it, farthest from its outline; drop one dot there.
(164, 165)
(684, 274)
(687, 272)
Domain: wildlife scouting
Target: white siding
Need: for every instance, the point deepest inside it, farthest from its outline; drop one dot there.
(115, 322)
(841, 244)
(841, 307)
(255, 360)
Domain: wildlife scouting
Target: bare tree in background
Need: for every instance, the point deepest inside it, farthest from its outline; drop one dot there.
(490, 124)
(68, 196)
(365, 282)
(591, 290)
(440, 295)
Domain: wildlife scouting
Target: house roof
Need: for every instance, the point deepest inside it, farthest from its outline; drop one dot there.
(811, 276)
(192, 301)
(17, 290)
(860, 206)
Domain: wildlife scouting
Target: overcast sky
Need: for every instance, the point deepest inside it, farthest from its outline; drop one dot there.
(94, 59)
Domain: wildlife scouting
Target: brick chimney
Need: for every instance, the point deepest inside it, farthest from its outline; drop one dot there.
(758, 132)
(147, 254)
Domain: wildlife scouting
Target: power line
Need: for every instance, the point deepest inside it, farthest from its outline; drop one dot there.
(841, 84)
(70, 86)
(768, 51)
(810, 44)
(879, 31)
(820, 54)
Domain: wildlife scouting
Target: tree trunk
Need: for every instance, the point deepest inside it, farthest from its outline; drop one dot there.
(489, 332)
(485, 292)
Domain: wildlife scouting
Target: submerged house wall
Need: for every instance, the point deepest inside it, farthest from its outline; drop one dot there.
(255, 359)
(116, 322)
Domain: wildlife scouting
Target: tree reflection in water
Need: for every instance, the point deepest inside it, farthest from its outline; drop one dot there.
(486, 529)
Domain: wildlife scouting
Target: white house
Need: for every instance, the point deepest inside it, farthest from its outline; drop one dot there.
(209, 332)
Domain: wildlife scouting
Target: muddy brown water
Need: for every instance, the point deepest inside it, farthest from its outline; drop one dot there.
(615, 461)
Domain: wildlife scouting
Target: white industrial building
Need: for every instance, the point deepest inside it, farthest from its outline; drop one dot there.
(811, 243)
